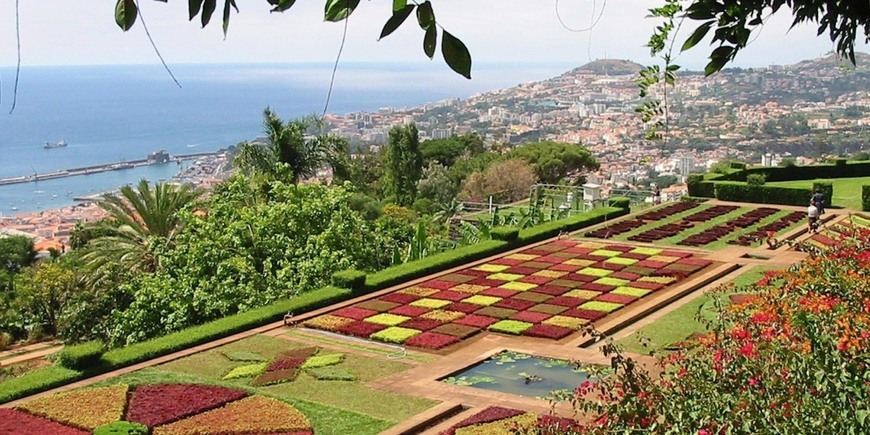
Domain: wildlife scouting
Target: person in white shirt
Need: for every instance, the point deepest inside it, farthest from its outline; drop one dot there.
(813, 217)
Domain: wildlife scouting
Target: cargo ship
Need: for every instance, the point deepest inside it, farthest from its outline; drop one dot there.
(49, 145)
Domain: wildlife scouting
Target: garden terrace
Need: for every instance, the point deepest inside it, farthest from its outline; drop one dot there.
(624, 226)
(713, 234)
(761, 232)
(548, 291)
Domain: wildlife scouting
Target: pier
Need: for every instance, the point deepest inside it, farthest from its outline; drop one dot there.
(153, 159)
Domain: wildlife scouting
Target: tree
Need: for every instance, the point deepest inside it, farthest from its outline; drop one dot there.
(554, 161)
(436, 184)
(41, 295)
(403, 164)
(509, 180)
(289, 148)
(733, 23)
(16, 252)
(447, 151)
(140, 222)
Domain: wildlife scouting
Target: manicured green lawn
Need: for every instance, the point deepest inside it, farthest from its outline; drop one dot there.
(684, 321)
(847, 191)
(334, 407)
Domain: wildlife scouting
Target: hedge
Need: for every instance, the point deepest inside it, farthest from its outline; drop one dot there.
(350, 278)
(619, 202)
(507, 234)
(699, 187)
(789, 173)
(742, 192)
(865, 197)
(827, 189)
(81, 356)
(220, 328)
(435, 263)
(37, 381)
(554, 228)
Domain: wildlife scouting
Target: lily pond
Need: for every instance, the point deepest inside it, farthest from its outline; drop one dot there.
(525, 375)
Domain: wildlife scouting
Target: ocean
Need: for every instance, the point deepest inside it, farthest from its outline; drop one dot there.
(110, 114)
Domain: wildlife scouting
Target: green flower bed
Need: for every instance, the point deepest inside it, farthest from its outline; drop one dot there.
(481, 300)
(594, 271)
(631, 291)
(387, 319)
(518, 286)
(395, 334)
(605, 253)
(513, 327)
(430, 303)
(246, 371)
(646, 251)
(612, 281)
(621, 260)
(606, 307)
(505, 276)
(323, 360)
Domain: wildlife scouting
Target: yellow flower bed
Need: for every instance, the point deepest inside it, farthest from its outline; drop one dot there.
(582, 294)
(328, 322)
(631, 291)
(566, 322)
(481, 300)
(605, 253)
(88, 408)
(387, 319)
(522, 257)
(550, 273)
(518, 286)
(419, 291)
(505, 276)
(430, 303)
(442, 315)
(579, 262)
(469, 288)
(491, 267)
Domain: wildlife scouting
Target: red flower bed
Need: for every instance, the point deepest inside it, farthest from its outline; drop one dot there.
(566, 301)
(507, 262)
(651, 264)
(488, 415)
(695, 261)
(515, 304)
(421, 324)
(399, 298)
(531, 316)
(476, 273)
(551, 259)
(565, 267)
(476, 321)
(431, 340)
(521, 270)
(153, 405)
(536, 251)
(579, 251)
(253, 415)
(14, 422)
(486, 282)
(448, 295)
(361, 329)
(436, 284)
(408, 310)
(597, 287)
(285, 364)
(463, 307)
(584, 314)
(535, 279)
(459, 331)
(616, 299)
(620, 248)
(356, 313)
(647, 285)
(624, 275)
(498, 292)
(609, 266)
(548, 331)
(552, 290)
(581, 277)
(634, 256)
(275, 377)
(680, 254)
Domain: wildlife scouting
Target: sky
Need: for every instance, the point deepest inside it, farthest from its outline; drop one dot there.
(83, 32)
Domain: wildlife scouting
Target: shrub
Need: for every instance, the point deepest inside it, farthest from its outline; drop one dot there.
(619, 202)
(507, 234)
(37, 381)
(738, 166)
(122, 428)
(246, 371)
(87, 408)
(81, 356)
(755, 179)
(514, 327)
(865, 198)
(699, 187)
(741, 192)
(350, 278)
(827, 189)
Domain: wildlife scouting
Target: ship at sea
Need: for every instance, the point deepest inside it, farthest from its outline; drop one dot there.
(49, 145)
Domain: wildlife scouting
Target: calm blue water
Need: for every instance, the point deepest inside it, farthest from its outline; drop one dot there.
(113, 113)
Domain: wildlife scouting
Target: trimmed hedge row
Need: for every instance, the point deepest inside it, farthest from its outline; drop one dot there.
(553, 228)
(56, 375)
(865, 198)
(435, 263)
(507, 234)
(699, 187)
(762, 194)
(827, 189)
(81, 356)
(839, 169)
(350, 278)
(619, 202)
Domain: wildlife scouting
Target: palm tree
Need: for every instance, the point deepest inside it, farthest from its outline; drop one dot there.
(288, 144)
(138, 220)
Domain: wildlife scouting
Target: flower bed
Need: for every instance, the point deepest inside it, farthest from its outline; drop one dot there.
(246, 371)
(574, 280)
(499, 420)
(258, 415)
(154, 405)
(17, 422)
(86, 409)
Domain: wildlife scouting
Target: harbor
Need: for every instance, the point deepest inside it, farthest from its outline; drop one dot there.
(155, 158)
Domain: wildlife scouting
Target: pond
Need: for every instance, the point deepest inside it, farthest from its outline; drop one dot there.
(525, 375)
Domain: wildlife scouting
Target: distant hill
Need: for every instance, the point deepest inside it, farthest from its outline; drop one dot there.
(862, 63)
(609, 67)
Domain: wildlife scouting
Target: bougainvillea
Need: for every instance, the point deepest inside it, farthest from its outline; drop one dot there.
(791, 359)
(255, 414)
(158, 404)
(87, 408)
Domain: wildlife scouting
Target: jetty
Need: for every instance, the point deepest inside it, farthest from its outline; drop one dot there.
(155, 158)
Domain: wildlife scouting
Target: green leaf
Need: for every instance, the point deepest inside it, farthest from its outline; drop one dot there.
(337, 10)
(208, 8)
(193, 7)
(125, 14)
(399, 5)
(426, 16)
(430, 41)
(396, 20)
(226, 22)
(281, 5)
(456, 54)
(697, 36)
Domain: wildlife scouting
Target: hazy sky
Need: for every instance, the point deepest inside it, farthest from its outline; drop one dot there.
(83, 32)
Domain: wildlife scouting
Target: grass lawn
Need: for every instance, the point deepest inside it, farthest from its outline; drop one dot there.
(352, 396)
(683, 322)
(847, 191)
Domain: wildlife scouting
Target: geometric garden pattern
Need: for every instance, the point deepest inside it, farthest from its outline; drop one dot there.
(549, 291)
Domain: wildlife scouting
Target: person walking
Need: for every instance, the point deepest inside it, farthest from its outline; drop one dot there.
(813, 217)
(819, 199)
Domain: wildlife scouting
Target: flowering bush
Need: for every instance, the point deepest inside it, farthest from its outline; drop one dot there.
(158, 404)
(86, 408)
(17, 422)
(255, 414)
(791, 359)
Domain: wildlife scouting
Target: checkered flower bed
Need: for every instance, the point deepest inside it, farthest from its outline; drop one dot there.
(166, 409)
(549, 291)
